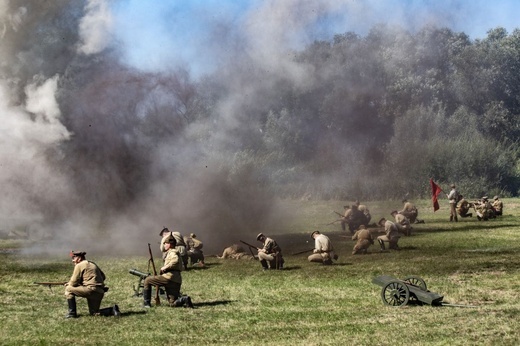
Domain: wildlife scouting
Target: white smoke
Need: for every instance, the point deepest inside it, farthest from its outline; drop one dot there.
(95, 27)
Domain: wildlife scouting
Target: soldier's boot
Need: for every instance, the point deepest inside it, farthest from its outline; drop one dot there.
(147, 297)
(72, 308)
(112, 311)
(451, 218)
(264, 264)
(382, 244)
(184, 301)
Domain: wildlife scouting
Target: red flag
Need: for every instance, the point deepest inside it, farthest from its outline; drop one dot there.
(435, 192)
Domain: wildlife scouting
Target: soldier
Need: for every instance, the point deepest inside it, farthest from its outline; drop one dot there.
(402, 223)
(353, 218)
(391, 235)
(170, 276)
(87, 281)
(195, 253)
(498, 206)
(181, 245)
(463, 207)
(269, 253)
(235, 251)
(364, 240)
(453, 198)
(411, 212)
(323, 250)
(484, 209)
(364, 209)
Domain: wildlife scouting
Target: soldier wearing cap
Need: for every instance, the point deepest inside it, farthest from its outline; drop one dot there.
(402, 223)
(364, 240)
(270, 255)
(391, 235)
(498, 206)
(180, 247)
(484, 209)
(194, 246)
(453, 198)
(170, 276)
(323, 250)
(87, 281)
(353, 218)
(463, 207)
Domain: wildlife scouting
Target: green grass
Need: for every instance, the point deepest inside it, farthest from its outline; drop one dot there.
(468, 262)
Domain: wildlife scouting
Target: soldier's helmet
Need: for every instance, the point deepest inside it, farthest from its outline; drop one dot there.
(260, 236)
(495, 198)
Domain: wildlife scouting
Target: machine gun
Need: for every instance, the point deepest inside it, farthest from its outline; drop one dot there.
(138, 290)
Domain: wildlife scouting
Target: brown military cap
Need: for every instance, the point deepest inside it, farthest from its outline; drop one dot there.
(313, 233)
(77, 253)
(382, 219)
(165, 229)
(260, 235)
(393, 212)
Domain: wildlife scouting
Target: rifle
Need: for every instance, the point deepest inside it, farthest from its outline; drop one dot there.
(341, 215)
(250, 247)
(304, 251)
(50, 284)
(138, 290)
(333, 222)
(150, 261)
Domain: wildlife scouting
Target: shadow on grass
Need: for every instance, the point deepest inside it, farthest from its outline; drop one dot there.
(213, 303)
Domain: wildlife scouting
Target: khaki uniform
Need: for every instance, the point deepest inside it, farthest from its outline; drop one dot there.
(170, 277)
(270, 253)
(194, 247)
(391, 235)
(498, 206)
(323, 250)
(403, 224)
(464, 207)
(353, 218)
(410, 211)
(87, 281)
(453, 198)
(364, 240)
(235, 251)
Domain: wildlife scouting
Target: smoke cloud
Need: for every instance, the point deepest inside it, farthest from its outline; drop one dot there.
(111, 128)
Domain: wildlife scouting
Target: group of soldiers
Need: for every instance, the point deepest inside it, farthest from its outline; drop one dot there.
(88, 280)
(177, 251)
(483, 208)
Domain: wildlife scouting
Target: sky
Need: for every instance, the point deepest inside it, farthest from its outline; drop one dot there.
(157, 33)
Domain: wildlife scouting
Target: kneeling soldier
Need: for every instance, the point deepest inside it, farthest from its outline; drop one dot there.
(170, 276)
(87, 281)
(323, 250)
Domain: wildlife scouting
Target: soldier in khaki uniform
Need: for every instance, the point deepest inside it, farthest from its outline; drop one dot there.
(181, 245)
(410, 211)
(87, 281)
(194, 246)
(170, 276)
(235, 251)
(402, 223)
(453, 198)
(498, 206)
(364, 209)
(353, 218)
(364, 240)
(391, 235)
(323, 250)
(464, 207)
(270, 253)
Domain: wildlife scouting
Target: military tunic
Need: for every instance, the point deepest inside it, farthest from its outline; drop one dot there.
(87, 281)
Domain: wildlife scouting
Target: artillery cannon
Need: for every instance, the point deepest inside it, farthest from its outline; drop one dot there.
(411, 289)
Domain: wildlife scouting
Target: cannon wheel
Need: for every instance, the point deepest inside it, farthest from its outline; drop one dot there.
(416, 281)
(395, 293)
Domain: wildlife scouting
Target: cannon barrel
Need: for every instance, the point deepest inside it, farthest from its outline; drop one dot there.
(138, 273)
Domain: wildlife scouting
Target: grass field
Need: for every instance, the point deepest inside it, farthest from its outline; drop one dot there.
(469, 262)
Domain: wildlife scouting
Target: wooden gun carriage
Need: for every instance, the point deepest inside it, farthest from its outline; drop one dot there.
(397, 292)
